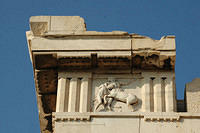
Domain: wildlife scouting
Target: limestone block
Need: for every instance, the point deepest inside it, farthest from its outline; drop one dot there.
(80, 44)
(99, 125)
(70, 24)
(38, 28)
(67, 23)
(193, 95)
(185, 125)
(39, 24)
(109, 122)
(40, 19)
(85, 33)
(165, 43)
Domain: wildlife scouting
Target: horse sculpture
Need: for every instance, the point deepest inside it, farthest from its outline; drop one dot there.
(121, 96)
(110, 91)
(103, 91)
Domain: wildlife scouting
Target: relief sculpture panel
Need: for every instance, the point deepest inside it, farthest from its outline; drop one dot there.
(117, 94)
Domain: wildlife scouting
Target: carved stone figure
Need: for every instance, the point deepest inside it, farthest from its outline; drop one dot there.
(102, 91)
(110, 91)
(121, 96)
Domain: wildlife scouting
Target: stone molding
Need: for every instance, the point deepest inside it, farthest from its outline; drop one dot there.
(154, 117)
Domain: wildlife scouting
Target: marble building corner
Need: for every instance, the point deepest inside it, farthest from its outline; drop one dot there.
(85, 80)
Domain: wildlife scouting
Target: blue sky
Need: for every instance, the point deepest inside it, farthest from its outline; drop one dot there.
(155, 18)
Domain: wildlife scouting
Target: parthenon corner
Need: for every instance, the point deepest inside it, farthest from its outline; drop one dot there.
(107, 82)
